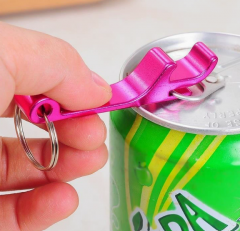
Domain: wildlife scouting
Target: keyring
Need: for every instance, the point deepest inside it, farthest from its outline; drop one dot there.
(53, 138)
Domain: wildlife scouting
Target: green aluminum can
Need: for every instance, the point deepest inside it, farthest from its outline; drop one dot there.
(175, 166)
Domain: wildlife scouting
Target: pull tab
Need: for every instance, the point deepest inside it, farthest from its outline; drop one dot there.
(210, 85)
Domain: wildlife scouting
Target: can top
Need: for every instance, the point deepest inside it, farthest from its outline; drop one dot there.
(215, 115)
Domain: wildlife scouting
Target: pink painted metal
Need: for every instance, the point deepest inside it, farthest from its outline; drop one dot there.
(151, 81)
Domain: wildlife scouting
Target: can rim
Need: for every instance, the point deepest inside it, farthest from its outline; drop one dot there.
(171, 124)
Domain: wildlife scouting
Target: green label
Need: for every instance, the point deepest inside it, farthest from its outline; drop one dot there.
(173, 181)
(190, 214)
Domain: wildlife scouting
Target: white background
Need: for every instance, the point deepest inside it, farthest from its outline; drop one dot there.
(105, 34)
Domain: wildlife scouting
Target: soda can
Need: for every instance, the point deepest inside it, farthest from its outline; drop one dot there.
(175, 166)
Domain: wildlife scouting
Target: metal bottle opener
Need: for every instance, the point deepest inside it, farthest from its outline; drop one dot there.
(156, 78)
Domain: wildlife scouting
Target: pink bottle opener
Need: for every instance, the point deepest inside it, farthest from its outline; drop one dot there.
(156, 78)
(153, 80)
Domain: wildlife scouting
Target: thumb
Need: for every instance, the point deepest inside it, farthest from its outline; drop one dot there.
(33, 63)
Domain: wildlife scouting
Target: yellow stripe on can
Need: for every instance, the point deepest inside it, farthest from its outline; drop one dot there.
(195, 168)
(158, 161)
(182, 161)
(128, 140)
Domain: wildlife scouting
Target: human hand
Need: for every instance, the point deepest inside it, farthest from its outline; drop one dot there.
(33, 63)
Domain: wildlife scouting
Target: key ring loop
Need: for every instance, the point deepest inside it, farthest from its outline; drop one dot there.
(53, 138)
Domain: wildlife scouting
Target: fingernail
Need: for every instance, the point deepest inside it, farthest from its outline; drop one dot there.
(101, 82)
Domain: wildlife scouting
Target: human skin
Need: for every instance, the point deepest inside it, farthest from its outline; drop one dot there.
(34, 63)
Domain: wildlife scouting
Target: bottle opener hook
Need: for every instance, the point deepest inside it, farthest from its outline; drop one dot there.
(156, 78)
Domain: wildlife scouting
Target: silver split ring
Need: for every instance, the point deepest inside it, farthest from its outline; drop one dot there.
(53, 138)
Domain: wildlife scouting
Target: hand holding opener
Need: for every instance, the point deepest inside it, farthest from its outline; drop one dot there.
(156, 78)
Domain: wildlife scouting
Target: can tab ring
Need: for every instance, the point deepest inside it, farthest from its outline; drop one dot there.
(209, 85)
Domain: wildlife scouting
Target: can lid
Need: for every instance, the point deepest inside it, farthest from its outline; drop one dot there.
(217, 114)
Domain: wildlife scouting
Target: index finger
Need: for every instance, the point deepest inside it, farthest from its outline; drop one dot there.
(34, 63)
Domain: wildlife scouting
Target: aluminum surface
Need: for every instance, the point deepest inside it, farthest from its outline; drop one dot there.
(217, 114)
